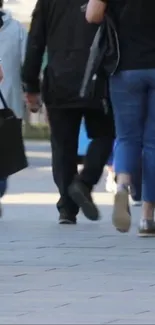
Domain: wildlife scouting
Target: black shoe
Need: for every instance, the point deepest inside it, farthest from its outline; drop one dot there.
(65, 219)
(81, 195)
(147, 228)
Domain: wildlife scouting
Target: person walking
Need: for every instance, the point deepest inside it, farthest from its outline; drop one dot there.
(132, 90)
(13, 37)
(60, 27)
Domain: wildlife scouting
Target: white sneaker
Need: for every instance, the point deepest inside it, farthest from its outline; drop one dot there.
(110, 185)
(136, 203)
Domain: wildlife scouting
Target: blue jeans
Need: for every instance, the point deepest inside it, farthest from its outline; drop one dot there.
(133, 100)
(136, 179)
(3, 186)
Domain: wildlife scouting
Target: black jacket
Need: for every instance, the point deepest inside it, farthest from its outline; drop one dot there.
(60, 27)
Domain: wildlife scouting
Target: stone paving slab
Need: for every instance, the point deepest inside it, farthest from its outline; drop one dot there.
(84, 274)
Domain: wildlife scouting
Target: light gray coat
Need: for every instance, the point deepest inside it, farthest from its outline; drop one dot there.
(13, 37)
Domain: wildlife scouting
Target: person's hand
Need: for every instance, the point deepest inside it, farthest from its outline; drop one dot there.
(1, 74)
(95, 11)
(33, 102)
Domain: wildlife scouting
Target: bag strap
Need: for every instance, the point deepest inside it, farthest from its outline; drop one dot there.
(3, 100)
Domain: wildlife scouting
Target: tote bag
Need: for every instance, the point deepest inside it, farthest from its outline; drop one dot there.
(12, 151)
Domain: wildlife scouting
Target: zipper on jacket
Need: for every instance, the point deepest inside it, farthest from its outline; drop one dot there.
(118, 51)
(118, 54)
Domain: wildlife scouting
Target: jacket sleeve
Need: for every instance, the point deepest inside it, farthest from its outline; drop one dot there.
(35, 48)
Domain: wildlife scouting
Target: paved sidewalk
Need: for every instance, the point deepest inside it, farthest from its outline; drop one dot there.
(84, 274)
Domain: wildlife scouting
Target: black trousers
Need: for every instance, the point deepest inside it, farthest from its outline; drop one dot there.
(65, 127)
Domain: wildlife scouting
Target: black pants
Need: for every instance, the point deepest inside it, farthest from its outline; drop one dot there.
(65, 127)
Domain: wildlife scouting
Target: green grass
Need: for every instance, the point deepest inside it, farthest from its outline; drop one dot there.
(36, 132)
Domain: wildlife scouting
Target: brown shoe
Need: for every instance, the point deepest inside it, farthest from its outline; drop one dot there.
(121, 217)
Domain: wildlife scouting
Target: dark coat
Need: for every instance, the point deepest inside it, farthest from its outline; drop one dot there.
(60, 27)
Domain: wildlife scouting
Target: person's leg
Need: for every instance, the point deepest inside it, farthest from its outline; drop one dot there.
(3, 188)
(64, 124)
(110, 160)
(97, 155)
(136, 187)
(110, 184)
(129, 99)
(147, 225)
(95, 160)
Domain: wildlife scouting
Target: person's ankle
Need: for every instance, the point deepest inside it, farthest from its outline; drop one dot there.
(123, 179)
(147, 217)
(121, 187)
(148, 211)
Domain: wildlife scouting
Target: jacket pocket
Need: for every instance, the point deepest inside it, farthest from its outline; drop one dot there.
(65, 74)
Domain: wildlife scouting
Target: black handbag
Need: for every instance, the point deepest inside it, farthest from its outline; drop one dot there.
(12, 151)
(102, 62)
